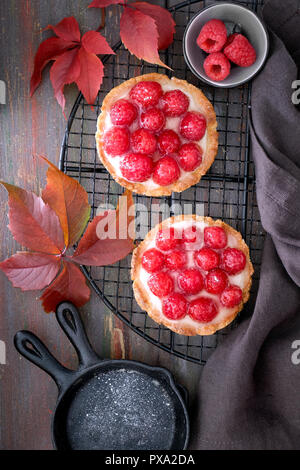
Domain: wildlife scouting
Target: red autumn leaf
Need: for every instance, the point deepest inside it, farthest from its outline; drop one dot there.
(140, 36)
(69, 200)
(70, 285)
(105, 3)
(65, 70)
(97, 248)
(91, 75)
(163, 19)
(31, 270)
(32, 222)
(95, 43)
(67, 29)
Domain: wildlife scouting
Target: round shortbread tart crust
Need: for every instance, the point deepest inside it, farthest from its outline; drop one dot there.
(209, 142)
(152, 304)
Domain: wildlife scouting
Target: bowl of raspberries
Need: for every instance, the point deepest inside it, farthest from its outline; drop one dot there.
(225, 44)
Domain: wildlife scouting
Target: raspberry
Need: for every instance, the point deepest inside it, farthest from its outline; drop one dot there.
(143, 141)
(216, 281)
(212, 36)
(239, 50)
(152, 260)
(167, 239)
(166, 171)
(116, 141)
(233, 260)
(193, 126)
(146, 93)
(153, 119)
(136, 167)
(168, 142)
(207, 259)
(191, 235)
(231, 296)
(203, 309)
(217, 66)
(175, 306)
(161, 284)
(215, 237)
(189, 156)
(190, 281)
(123, 113)
(174, 103)
(176, 260)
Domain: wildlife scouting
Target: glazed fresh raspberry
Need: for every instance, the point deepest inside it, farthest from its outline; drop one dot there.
(203, 309)
(176, 260)
(212, 36)
(193, 126)
(190, 281)
(166, 171)
(231, 296)
(216, 281)
(215, 237)
(174, 103)
(116, 141)
(217, 66)
(233, 260)
(161, 284)
(207, 259)
(168, 142)
(146, 93)
(191, 235)
(167, 239)
(136, 167)
(123, 113)
(239, 50)
(153, 119)
(142, 141)
(189, 156)
(175, 306)
(152, 260)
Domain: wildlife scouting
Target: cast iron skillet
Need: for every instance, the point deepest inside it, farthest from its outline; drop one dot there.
(108, 404)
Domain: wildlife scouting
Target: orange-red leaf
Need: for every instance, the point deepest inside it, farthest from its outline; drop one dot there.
(91, 75)
(96, 43)
(48, 50)
(67, 29)
(140, 36)
(163, 19)
(31, 271)
(70, 202)
(70, 285)
(107, 238)
(32, 222)
(105, 3)
(65, 70)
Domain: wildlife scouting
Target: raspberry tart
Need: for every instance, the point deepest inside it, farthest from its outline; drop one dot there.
(192, 274)
(156, 135)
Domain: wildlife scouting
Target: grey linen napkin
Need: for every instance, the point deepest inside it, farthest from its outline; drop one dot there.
(249, 393)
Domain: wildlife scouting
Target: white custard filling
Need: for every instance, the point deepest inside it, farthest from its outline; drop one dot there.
(171, 123)
(241, 279)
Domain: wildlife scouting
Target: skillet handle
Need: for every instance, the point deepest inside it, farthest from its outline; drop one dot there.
(29, 346)
(70, 321)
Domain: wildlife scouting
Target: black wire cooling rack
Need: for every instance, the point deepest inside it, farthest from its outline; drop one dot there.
(227, 191)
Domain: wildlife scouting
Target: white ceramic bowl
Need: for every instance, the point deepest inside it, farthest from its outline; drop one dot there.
(251, 26)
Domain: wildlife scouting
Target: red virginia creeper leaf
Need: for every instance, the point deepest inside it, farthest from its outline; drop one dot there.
(105, 3)
(95, 251)
(65, 70)
(67, 29)
(91, 75)
(33, 223)
(48, 50)
(31, 271)
(69, 200)
(95, 43)
(70, 285)
(140, 36)
(163, 19)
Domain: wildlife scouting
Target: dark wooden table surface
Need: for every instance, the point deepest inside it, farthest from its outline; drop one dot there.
(36, 126)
